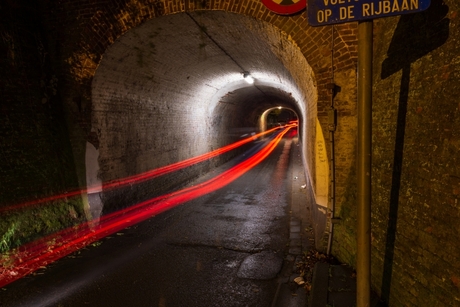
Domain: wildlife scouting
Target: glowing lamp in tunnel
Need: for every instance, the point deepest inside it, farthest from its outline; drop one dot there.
(248, 78)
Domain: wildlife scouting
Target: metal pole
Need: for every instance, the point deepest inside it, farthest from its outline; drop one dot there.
(363, 259)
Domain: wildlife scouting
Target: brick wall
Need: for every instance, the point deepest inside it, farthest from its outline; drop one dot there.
(416, 146)
(415, 171)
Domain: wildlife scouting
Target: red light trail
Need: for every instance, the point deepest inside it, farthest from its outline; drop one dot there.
(117, 183)
(37, 254)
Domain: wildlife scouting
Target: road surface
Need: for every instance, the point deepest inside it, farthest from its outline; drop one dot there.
(222, 249)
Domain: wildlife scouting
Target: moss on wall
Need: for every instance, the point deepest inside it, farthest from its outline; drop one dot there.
(22, 226)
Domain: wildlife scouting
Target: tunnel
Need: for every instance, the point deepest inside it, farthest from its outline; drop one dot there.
(175, 87)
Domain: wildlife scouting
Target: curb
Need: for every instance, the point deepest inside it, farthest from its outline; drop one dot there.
(320, 283)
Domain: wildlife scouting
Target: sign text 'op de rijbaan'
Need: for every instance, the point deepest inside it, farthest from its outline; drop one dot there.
(325, 12)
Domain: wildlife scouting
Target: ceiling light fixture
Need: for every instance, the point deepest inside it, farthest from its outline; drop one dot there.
(247, 76)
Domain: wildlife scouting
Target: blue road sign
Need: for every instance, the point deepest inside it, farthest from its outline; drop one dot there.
(325, 12)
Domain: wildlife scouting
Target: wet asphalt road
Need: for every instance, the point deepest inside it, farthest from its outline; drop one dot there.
(222, 249)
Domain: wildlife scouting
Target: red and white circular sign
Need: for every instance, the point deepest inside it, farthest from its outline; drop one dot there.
(285, 7)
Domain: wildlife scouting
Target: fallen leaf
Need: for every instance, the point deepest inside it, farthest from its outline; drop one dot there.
(299, 280)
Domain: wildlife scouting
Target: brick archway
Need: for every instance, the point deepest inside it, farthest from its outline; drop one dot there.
(99, 25)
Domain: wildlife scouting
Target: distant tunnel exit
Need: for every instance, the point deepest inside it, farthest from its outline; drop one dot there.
(276, 117)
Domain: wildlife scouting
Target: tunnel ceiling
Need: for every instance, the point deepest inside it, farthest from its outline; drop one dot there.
(203, 55)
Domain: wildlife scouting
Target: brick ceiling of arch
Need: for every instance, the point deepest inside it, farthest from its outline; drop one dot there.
(205, 54)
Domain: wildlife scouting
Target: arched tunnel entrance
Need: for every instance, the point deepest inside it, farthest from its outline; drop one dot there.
(174, 88)
(167, 90)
